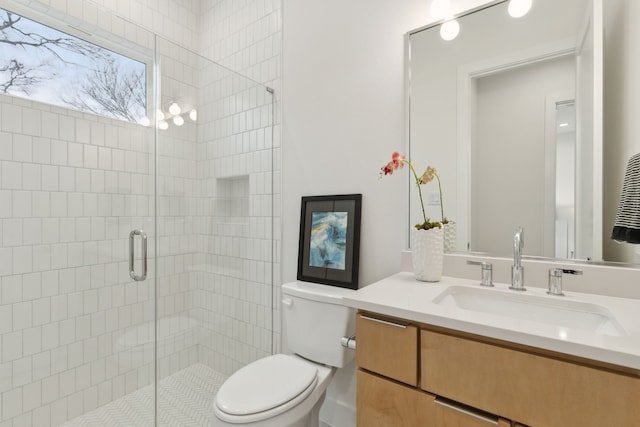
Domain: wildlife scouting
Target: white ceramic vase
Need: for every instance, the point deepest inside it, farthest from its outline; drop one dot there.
(450, 243)
(427, 247)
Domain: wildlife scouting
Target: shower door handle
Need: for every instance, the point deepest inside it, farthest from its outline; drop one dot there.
(132, 268)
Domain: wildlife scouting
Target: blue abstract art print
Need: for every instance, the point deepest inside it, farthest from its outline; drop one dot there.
(328, 241)
(329, 245)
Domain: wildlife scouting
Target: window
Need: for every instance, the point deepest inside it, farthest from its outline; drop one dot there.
(43, 64)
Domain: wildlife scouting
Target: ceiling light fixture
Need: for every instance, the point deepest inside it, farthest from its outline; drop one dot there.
(174, 114)
(519, 8)
(174, 109)
(449, 30)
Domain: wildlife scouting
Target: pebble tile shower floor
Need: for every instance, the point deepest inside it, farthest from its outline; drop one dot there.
(184, 400)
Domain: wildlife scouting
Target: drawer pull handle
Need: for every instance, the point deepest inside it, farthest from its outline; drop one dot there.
(384, 322)
(453, 406)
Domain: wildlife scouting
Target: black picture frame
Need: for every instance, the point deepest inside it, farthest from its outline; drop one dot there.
(329, 244)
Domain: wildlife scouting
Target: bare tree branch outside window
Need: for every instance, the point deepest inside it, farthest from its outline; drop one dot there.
(50, 66)
(18, 76)
(110, 89)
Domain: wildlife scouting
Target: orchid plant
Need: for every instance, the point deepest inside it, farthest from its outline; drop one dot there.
(397, 162)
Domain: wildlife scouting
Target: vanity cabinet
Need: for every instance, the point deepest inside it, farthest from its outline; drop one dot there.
(389, 347)
(534, 389)
(453, 414)
(412, 374)
(382, 402)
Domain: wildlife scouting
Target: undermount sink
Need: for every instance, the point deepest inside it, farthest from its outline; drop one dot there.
(518, 305)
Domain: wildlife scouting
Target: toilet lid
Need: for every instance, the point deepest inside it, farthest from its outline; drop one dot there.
(265, 384)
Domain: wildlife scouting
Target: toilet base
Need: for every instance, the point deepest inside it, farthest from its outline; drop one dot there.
(314, 416)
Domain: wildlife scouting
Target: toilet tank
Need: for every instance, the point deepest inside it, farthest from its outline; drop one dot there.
(315, 320)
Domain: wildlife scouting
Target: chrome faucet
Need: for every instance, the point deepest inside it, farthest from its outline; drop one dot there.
(517, 270)
(487, 272)
(555, 280)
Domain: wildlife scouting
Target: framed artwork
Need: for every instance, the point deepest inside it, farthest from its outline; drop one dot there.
(329, 245)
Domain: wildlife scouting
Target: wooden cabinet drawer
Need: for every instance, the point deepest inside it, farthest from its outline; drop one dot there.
(452, 414)
(387, 348)
(385, 403)
(533, 389)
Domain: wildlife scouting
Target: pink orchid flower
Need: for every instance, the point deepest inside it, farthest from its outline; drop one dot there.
(397, 162)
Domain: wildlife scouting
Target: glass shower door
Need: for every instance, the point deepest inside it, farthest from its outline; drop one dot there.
(77, 332)
(215, 230)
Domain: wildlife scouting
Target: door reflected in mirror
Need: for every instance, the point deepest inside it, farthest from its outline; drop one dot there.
(565, 179)
(513, 154)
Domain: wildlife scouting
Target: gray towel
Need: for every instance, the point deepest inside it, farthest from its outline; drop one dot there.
(627, 225)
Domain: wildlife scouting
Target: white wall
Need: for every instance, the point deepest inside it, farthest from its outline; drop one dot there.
(343, 109)
(343, 116)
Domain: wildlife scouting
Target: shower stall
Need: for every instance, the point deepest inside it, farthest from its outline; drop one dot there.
(137, 254)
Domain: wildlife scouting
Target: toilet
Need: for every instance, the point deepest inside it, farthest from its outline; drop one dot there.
(287, 390)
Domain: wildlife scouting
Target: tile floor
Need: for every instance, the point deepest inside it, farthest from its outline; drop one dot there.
(184, 400)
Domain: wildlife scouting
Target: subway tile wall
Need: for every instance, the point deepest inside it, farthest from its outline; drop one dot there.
(243, 35)
(246, 36)
(175, 20)
(76, 333)
(235, 227)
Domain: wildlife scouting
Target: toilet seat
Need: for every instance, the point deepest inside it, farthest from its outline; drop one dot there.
(265, 388)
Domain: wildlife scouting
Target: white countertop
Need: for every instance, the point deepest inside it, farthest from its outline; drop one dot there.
(402, 296)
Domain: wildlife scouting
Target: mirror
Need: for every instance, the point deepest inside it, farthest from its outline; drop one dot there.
(510, 113)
